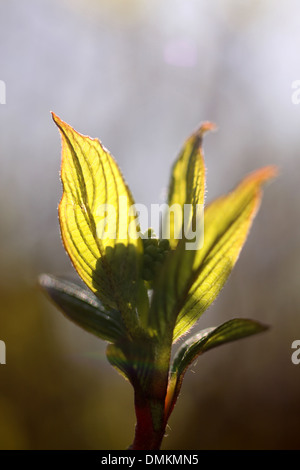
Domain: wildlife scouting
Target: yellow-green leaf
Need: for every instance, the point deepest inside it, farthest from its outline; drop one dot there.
(186, 195)
(95, 221)
(227, 221)
(187, 185)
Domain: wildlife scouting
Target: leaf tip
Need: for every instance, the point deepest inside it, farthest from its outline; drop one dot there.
(261, 176)
(266, 173)
(204, 127)
(263, 327)
(42, 280)
(45, 283)
(197, 136)
(60, 124)
(54, 116)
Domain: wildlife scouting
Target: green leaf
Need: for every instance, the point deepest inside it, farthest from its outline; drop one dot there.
(227, 222)
(98, 223)
(84, 308)
(187, 189)
(119, 361)
(133, 359)
(205, 340)
(187, 185)
(212, 337)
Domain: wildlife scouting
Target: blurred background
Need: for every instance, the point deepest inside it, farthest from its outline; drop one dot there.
(141, 75)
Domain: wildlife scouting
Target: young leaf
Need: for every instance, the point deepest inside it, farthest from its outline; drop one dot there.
(186, 196)
(84, 308)
(97, 227)
(227, 222)
(187, 185)
(117, 359)
(133, 359)
(206, 339)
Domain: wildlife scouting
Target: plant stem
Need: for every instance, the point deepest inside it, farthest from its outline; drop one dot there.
(146, 436)
(149, 400)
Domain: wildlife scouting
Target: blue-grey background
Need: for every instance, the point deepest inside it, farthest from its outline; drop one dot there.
(140, 75)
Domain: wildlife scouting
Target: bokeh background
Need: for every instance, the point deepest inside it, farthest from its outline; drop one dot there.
(141, 75)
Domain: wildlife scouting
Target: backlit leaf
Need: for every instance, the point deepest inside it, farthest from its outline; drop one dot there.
(187, 185)
(227, 221)
(186, 196)
(98, 230)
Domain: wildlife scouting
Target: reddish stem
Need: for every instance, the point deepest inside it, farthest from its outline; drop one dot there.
(146, 437)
